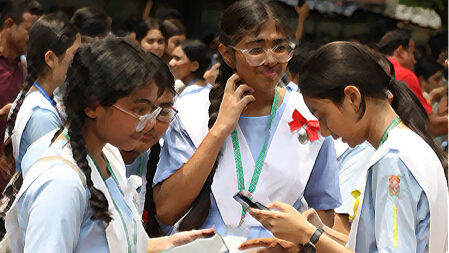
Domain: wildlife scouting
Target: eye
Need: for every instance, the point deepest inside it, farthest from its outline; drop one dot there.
(165, 112)
(256, 51)
(280, 49)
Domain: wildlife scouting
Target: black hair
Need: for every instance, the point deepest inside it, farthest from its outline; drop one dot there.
(146, 25)
(300, 55)
(197, 51)
(427, 66)
(16, 8)
(91, 22)
(172, 27)
(163, 77)
(49, 33)
(239, 19)
(101, 72)
(392, 40)
(338, 64)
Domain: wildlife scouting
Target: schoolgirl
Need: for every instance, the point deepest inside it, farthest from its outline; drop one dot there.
(150, 37)
(248, 117)
(190, 61)
(403, 205)
(75, 197)
(50, 49)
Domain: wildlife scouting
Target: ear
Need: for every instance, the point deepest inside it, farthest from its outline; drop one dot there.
(353, 97)
(194, 66)
(227, 54)
(51, 59)
(92, 111)
(8, 23)
(399, 52)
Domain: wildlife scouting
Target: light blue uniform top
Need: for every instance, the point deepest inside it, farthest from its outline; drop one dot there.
(375, 231)
(322, 192)
(54, 213)
(41, 122)
(132, 168)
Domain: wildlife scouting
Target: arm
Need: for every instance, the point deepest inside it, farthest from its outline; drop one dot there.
(147, 10)
(322, 191)
(438, 125)
(175, 195)
(162, 243)
(4, 111)
(302, 12)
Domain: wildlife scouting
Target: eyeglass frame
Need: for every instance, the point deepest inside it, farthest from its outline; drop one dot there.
(245, 53)
(175, 112)
(143, 119)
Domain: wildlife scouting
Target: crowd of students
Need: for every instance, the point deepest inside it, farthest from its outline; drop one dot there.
(139, 143)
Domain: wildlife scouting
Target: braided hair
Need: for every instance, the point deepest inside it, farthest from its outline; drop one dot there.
(49, 33)
(239, 19)
(101, 72)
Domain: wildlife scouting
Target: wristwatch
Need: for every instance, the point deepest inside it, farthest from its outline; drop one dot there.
(310, 246)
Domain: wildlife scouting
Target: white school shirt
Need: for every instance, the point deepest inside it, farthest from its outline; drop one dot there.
(425, 167)
(51, 212)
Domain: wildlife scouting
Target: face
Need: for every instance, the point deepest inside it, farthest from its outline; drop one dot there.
(119, 128)
(19, 33)
(174, 42)
(152, 136)
(60, 70)
(266, 76)
(180, 65)
(433, 82)
(338, 121)
(154, 42)
(407, 59)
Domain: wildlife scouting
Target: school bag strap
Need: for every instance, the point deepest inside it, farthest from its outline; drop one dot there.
(71, 164)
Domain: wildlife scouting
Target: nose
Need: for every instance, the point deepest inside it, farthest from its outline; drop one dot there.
(172, 63)
(324, 130)
(270, 60)
(149, 126)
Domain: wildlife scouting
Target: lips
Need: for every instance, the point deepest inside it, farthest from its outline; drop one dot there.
(269, 72)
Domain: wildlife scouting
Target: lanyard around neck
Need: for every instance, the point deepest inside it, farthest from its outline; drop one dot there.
(392, 125)
(42, 91)
(260, 159)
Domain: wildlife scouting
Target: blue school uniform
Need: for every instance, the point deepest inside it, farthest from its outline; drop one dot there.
(322, 191)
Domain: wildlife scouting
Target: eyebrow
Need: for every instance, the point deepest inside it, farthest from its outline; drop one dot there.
(143, 101)
(257, 41)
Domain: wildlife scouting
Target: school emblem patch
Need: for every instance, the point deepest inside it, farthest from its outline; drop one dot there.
(394, 186)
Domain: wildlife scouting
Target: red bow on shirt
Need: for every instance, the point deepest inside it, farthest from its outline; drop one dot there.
(312, 127)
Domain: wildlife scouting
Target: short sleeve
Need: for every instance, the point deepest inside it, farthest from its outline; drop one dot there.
(401, 209)
(52, 210)
(322, 191)
(178, 148)
(41, 122)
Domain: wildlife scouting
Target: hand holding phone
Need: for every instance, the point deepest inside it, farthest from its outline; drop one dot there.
(246, 202)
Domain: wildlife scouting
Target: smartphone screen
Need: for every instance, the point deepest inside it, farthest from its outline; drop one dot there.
(248, 203)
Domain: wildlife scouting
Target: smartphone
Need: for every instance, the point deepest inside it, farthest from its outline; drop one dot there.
(247, 202)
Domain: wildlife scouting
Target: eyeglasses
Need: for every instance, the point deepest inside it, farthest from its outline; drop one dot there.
(167, 114)
(143, 119)
(257, 56)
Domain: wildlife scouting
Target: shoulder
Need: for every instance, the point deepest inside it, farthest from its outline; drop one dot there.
(296, 102)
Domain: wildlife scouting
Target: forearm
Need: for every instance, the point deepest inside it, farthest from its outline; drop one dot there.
(327, 244)
(158, 244)
(175, 195)
(340, 238)
(341, 223)
(438, 125)
(327, 217)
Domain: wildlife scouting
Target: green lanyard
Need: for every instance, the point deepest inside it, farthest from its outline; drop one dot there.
(260, 159)
(139, 168)
(392, 125)
(130, 247)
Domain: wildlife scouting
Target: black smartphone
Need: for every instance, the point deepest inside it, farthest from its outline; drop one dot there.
(247, 202)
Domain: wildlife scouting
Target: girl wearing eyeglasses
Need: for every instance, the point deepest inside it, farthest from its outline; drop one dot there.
(75, 196)
(249, 145)
(140, 161)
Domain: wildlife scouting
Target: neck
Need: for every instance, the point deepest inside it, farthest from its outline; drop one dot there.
(264, 101)
(47, 84)
(94, 145)
(129, 156)
(378, 125)
(186, 80)
(7, 51)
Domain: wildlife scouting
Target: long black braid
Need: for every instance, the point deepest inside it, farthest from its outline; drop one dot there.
(239, 19)
(101, 72)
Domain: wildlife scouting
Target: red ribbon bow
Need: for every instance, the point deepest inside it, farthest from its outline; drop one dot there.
(312, 126)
